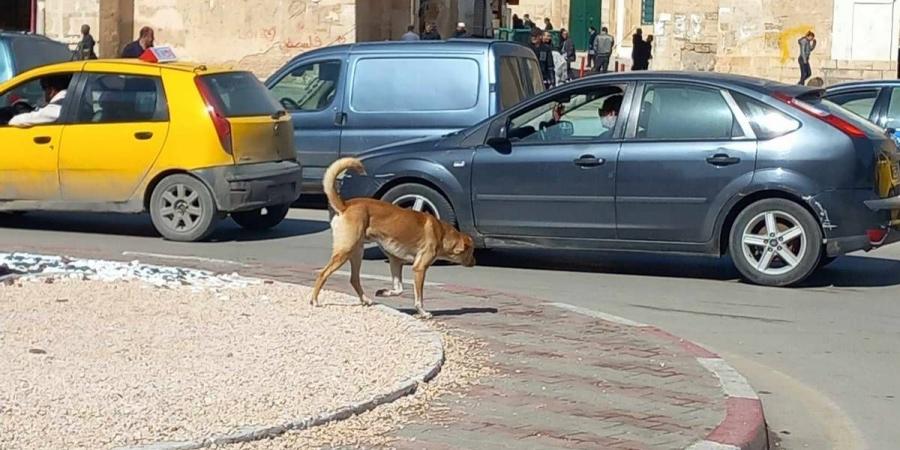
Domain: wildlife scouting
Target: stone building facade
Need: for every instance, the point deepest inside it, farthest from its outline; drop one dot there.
(857, 39)
(259, 35)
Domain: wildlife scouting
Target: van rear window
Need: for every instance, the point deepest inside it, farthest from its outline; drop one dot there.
(241, 94)
(415, 84)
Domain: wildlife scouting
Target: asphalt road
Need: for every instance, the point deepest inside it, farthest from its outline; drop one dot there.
(824, 357)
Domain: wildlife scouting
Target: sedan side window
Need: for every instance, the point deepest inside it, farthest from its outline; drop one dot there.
(115, 98)
(680, 112)
(857, 102)
(589, 115)
(310, 87)
(893, 114)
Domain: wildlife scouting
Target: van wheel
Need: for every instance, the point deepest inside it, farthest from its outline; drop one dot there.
(263, 218)
(775, 242)
(182, 209)
(421, 198)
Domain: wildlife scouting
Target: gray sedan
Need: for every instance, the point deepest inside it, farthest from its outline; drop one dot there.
(774, 175)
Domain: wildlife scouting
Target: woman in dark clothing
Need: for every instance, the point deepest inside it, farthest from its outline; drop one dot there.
(637, 50)
(517, 23)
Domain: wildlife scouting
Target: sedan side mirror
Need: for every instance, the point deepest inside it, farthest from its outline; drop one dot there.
(500, 143)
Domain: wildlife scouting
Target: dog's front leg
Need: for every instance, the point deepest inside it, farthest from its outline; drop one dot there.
(396, 279)
(420, 266)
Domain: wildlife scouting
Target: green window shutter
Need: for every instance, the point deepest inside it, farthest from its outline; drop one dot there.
(647, 12)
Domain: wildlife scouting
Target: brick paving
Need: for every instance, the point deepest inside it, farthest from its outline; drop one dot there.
(565, 380)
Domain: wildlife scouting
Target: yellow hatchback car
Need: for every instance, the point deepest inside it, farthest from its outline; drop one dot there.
(189, 144)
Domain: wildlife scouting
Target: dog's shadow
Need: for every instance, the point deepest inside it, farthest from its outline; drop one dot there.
(451, 312)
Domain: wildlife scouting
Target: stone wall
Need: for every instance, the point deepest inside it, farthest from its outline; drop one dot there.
(259, 35)
(62, 19)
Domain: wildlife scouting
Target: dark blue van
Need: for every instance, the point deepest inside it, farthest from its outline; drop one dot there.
(20, 52)
(350, 98)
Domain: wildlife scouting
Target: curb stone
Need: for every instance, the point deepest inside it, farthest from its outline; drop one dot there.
(744, 425)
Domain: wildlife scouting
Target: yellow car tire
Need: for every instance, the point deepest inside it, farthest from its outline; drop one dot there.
(182, 209)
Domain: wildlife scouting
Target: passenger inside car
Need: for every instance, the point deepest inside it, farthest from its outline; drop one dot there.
(609, 115)
(23, 108)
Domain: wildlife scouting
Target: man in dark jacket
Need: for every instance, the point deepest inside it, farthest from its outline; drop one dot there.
(592, 31)
(85, 48)
(431, 33)
(567, 49)
(461, 31)
(544, 54)
(637, 49)
(143, 42)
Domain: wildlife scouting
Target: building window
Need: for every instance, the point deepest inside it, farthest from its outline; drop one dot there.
(866, 30)
(647, 12)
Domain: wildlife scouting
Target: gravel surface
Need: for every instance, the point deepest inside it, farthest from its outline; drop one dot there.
(94, 364)
(466, 365)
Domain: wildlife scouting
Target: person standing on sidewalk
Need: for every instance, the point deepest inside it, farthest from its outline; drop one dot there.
(461, 31)
(431, 33)
(528, 23)
(637, 49)
(547, 25)
(592, 34)
(567, 49)
(410, 34)
(85, 48)
(603, 47)
(807, 45)
(517, 23)
(544, 55)
(144, 41)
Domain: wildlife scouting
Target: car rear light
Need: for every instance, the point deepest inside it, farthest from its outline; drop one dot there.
(877, 236)
(846, 127)
(222, 125)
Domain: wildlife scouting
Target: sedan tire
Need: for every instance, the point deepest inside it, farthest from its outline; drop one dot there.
(183, 209)
(423, 199)
(775, 242)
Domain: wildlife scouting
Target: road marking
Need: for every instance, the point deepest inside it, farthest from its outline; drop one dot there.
(382, 278)
(710, 445)
(184, 258)
(597, 314)
(733, 383)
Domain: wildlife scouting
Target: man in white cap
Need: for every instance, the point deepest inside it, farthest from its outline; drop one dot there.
(461, 30)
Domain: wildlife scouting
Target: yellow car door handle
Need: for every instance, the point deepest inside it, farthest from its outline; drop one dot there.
(42, 139)
(143, 135)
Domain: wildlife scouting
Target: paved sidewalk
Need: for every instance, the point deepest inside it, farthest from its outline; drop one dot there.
(567, 377)
(570, 378)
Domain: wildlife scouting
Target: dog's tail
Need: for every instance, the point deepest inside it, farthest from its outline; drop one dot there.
(334, 170)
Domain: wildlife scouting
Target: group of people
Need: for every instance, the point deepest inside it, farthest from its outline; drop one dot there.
(528, 24)
(602, 44)
(431, 32)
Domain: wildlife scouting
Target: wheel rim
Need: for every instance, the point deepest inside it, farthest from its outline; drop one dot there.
(774, 242)
(180, 208)
(417, 202)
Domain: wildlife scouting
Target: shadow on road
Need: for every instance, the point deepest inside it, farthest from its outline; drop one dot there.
(139, 225)
(451, 312)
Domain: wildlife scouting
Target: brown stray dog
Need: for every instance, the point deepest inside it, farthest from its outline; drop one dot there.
(405, 236)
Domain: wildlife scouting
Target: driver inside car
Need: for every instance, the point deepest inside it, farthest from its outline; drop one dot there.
(54, 88)
(609, 114)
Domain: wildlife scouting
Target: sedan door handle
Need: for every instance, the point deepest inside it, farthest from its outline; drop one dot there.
(722, 159)
(340, 118)
(42, 139)
(589, 161)
(143, 135)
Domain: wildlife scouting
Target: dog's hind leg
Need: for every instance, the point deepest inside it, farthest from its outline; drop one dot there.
(337, 260)
(396, 279)
(355, 266)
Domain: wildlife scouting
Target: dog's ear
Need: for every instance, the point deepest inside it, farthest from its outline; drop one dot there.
(463, 242)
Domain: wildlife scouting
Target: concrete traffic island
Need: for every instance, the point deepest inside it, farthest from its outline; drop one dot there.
(100, 354)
